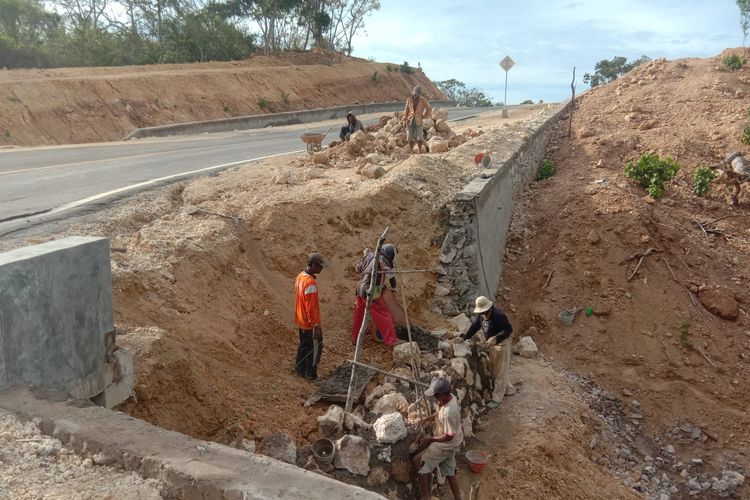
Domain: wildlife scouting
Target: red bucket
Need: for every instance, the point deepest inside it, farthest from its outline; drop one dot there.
(477, 460)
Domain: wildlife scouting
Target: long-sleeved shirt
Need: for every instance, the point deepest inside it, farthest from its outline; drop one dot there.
(307, 305)
(417, 112)
(354, 126)
(365, 269)
(497, 326)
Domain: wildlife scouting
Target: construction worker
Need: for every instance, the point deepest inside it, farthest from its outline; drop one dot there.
(497, 329)
(440, 450)
(352, 125)
(378, 307)
(416, 110)
(307, 318)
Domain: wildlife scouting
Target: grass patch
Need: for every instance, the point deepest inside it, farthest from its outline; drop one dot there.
(546, 169)
(685, 335)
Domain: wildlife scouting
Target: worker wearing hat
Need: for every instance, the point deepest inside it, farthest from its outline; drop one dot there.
(307, 318)
(496, 329)
(416, 110)
(439, 451)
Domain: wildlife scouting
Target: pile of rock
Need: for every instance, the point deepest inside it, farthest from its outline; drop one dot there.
(373, 442)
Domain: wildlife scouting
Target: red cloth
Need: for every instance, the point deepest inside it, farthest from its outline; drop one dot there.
(380, 314)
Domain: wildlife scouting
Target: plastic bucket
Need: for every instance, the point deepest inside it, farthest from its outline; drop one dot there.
(323, 451)
(477, 460)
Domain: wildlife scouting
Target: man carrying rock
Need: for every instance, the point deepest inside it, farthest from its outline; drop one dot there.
(496, 328)
(416, 110)
(352, 125)
(307, 318)
(440, 451)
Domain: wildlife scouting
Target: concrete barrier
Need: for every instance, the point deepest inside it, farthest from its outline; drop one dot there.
(471, 256)
(270, 119)
(55, 315)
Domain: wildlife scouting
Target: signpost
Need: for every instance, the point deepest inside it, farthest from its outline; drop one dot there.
(506, 64)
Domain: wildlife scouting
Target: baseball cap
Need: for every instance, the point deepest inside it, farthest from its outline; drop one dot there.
(316, 258)
(438, 386)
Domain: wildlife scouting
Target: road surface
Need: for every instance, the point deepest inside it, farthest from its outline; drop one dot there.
(38, 184)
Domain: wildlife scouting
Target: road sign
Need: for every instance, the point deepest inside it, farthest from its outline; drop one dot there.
(507, 63)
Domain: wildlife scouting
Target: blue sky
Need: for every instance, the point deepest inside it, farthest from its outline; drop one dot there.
(546, 38)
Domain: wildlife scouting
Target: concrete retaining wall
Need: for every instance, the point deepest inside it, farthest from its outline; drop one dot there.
(471, 258)
(270, 119)
(55, 315)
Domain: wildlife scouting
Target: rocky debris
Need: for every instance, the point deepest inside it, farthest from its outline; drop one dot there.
(462, 350)
(320, 158)
(354, 422)
(401, 469)
(280, 446)
(372, 171)
(460, 323)
(390, 428)
(378, 476)
(331, 423)
(460, 366)
(720, 302)
(378, 392)
(352, 454)
(120, 378)
(34, 466)
(526, 348)
(391, 403)
(285, 176)
(438, 145)
(402, 354)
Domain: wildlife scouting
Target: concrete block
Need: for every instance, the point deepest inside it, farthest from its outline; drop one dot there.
(122, 382)
(55, 311)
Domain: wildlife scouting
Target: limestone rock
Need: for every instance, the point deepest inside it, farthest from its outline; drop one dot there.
(377, 393)
(461, 350)
(418, 410)
(353, 422)
(320, 158)
(373, 171)
(720, 302)
(402, 354)
(428, 123)
(390, 403)
(359, 137)
(285, 176)
(390, 428)
(460, 323)
(352, 454)
(587, 132)
(313, 173)
(460, 366)
(401, 469)
(437, 145)
(331, 424)
(526, 348)
(468, 425)
(378, 476)
(280, 446)
(442, 126)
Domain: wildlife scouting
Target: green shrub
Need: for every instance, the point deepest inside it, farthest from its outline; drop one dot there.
(7, 133)
(702, 178)
(405, 68)
(546, 169)
(262, 103)
(734, 62)
(745, 136)
(685, 335)
(528, 101)
(652, 172)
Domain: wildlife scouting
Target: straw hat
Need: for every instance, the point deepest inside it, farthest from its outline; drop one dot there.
(482, 304)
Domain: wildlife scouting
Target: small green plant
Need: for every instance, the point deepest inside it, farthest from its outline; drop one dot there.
(734, 62)
(7, 133)
(685, 335)
(652, 171)
(389, 68)
(374, 76)
(546, 169)
(262, 103)
(225, 108)
(405, 68)
(702, 178)
(745, 136)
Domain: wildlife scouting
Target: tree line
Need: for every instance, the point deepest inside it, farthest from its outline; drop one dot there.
(55, 33)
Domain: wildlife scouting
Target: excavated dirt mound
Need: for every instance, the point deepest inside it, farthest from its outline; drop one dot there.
(74, 105)
(675, 336)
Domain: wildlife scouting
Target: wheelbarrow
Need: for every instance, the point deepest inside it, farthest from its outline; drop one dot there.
(313, 141)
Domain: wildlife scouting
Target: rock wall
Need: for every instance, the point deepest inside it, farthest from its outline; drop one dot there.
(478, 219)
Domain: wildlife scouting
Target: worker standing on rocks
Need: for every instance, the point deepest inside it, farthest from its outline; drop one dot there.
(497, 329)
(307, 318)
(352, 125)
(416, 110)
(440, 451)
(378, 307)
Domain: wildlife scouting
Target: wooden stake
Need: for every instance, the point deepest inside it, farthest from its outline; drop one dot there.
(648, 252)
(548, 278)
(572, 101)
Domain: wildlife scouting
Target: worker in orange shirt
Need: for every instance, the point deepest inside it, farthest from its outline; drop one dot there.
(307, 318)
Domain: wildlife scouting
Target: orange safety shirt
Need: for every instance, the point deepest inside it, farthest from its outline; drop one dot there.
(307, 306)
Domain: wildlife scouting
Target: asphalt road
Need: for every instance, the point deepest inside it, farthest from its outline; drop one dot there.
(37, 184)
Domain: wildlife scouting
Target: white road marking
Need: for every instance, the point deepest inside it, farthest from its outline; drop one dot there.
(99, 196)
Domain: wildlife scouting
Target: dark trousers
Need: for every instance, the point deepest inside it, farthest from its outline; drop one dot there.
(308, 355)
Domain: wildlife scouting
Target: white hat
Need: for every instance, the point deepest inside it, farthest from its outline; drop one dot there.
(482, 304)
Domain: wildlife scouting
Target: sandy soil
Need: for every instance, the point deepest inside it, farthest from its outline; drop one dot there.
(74, 105)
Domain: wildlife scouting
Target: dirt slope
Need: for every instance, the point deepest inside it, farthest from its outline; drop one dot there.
(650, 337)
(74, 105)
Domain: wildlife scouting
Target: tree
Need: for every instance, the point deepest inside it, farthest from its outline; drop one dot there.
(744, 6)
(457, 92)
(606, 71)
(347, 19)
